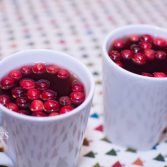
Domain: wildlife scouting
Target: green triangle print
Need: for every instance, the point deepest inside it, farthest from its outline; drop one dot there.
(96, 165)
(159, 157)
(131, 150)
(90, 154)
(112, 152)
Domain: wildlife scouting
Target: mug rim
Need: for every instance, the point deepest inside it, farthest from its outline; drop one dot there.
(122, 70)
(59, 117)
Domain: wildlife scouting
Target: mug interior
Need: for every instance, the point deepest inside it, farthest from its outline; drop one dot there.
(50, 57)
(129, 30)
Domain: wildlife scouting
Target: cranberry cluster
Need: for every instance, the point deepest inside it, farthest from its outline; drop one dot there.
(41, 90)
(141, 54)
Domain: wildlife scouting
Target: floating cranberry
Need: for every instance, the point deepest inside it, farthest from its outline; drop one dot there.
(12, 106)
(33, 94)
(66, 109)
(77, 87)
(63, 74)
(159, 74)
(52, 114)
(15, 74)
(27, 84)
(4, 99)
(150, 54)
(36, 106)
(119, 44)
(22, 102)
(77, 97)
(119, 63)
(42, 84)
(48, 94)
(39, 68)
(52, 69)
(139, 58)
(147, 38)
(161, 55)
(39, 114)
(126, 54)
(115, 55)
(145, 45)
(18, 92)
(160, 42)
(134, 38)
(26, 70)
(7, 83)
(147, 74)
(24, 112)
(135, 48)
(65, 101)
(51, 106)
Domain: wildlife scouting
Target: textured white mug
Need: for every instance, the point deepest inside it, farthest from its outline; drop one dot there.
(135, 106)
(51, 141)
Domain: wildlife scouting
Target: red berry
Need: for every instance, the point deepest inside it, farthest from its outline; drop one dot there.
(119, 63)
(36, 106)
(147, 74)
(18, 92)
(25, 70)
(39, 68)
(135, 48)
(159, 74)
(48, 94)
(126, 54)
(39, 114)
(4, 99)
(146, 38)
(52, 69)
(24, 112)
(65, 101)
(15, 74)
(77, 87)
(53, 114)
(51, 106)
(119, 44)
(150, 54)
(145, 45)
(115, 55)
(66, 109)
(77, 97)
(33, 94)
(63, 74)
(159, 42)
(7, 83)
(42, 84)
(12, 106)
(22, 102)
(139, 58)
(161, 55)
(27, 84)
(134, 37)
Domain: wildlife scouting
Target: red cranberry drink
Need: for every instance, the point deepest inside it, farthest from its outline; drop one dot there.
(143, 54)
(41, 90)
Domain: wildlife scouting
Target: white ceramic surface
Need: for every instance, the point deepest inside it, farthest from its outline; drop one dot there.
(51, 141)
(135, 106)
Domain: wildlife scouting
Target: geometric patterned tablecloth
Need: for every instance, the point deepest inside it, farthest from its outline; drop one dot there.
(78, 27)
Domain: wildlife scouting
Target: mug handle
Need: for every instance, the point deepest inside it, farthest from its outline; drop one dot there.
(4, 159)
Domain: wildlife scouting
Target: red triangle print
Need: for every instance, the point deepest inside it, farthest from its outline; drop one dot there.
(99, 128)
(117, 164)
(138, 162)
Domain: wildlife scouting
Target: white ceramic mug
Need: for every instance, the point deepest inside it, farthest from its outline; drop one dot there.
(135, 106)
(49, 141)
